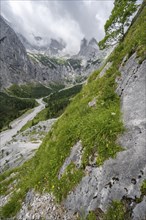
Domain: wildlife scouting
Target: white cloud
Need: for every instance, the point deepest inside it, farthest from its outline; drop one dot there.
(69, 20)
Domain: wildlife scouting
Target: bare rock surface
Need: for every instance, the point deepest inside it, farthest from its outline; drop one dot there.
(23, 145)
(4, 199)
(107, 66)
(74, 157)
(139, 212)
(42, 206)
(16, 146)
(18, 123)
(17, 67)
(122, 176)
(92, 103)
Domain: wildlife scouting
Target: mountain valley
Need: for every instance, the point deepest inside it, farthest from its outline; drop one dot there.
(73, 127)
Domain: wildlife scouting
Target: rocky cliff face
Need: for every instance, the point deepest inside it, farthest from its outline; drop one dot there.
(17, 67)
(14, 62)
(89, 50)
(122, 177)
(48, 47)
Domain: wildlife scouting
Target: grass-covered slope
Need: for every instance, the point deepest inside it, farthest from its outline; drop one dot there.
(97, 127)
(13, 107)
(57, 101)
(56, 104)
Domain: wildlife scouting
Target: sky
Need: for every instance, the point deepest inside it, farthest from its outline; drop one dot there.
(70, 20)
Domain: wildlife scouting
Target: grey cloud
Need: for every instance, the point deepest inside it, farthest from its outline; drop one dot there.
(69, 20)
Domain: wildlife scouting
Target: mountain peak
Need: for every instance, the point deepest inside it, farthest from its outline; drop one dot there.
(93, 41)
(88, 49)
(37, 38)
(84, 43)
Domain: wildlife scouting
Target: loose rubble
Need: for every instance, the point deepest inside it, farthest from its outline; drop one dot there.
(37, 206)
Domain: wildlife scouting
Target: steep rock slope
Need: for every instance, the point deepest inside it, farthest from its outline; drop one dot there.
(14, 63)
(88, 160)
(50, 47)
(89, 50)
(16, 67)
(121, 177)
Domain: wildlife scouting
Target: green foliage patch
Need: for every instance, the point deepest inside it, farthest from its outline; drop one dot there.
(134, 40)
(143, 188)
(118, 20)
(115, 212)
(56, 104)
(29, 90)
(13, 107)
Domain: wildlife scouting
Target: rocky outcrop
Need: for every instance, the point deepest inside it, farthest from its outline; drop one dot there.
(14, 63)
(121, 177)
(37, 206)
(75, 157)
(89, 50)
(23, 145)
(55, 47)
(16, 67)
(50, 47)
(139, 211)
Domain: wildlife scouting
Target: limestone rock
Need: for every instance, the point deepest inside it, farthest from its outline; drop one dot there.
(123, 175)
(74, 157)
(139, 212)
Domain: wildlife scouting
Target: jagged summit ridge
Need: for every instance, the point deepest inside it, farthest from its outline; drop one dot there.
(51, 47)
(89, 49)
(41, 64)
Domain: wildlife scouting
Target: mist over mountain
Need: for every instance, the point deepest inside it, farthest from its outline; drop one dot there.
(23, 62)
(70, 21)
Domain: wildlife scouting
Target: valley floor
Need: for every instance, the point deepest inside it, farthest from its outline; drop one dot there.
(16, 146)
(17, 124)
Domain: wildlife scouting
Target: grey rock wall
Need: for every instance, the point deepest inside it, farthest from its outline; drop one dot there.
(14, 63)
(16, 67)
(121, 177)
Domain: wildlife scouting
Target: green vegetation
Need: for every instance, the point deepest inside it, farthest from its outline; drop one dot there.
(29, 90)
(56, 87)
(119, 19)
(91, 216)
(57, 101)
(143, 188)
(41, 116)
(138, 43)
(97, 127)
(13, 107)
(56, 104)
(116, 211)
(53, 61)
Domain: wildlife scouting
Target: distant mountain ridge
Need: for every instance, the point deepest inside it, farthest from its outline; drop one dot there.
(22, 62)
(55, 48)
(52, 47)
(89, 49)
